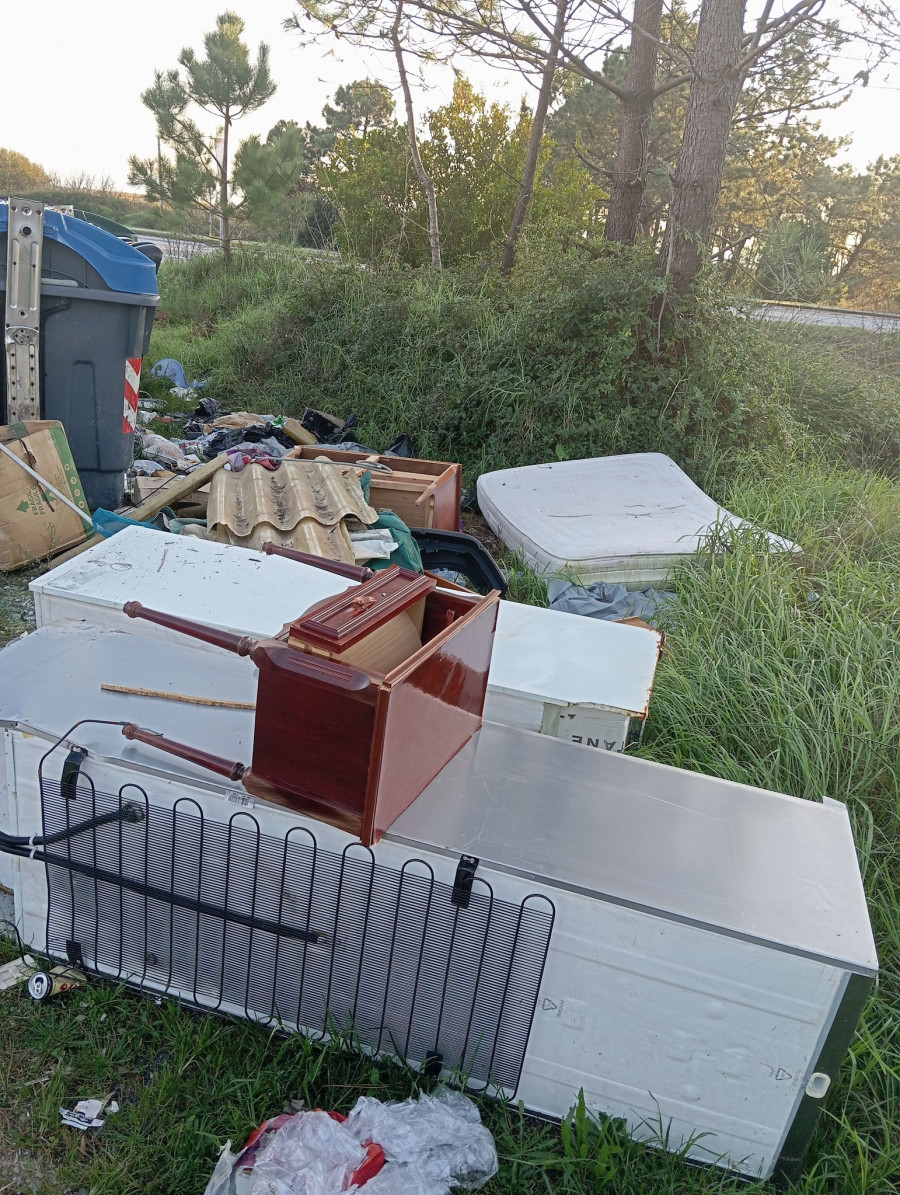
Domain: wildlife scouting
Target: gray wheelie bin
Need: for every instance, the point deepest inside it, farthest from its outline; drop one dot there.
(98, 297)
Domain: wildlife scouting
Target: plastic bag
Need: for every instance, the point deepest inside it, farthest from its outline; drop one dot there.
(397, 1178)
(220, 1181)
(431, 1144)
(611, 602)
(158, 448)
(440, 1135)
(309, 1155)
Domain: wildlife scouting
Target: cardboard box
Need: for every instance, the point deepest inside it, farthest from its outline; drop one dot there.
(33, 523)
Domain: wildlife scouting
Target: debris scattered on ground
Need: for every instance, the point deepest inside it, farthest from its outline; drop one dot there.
(16, 972)
(86, 1113)
(168, 453)
(54, 982)
(327, 429)
(149, 468)
(168, 367)
(373, 543)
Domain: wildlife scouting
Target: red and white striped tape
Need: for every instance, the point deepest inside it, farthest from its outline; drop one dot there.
(132, 385)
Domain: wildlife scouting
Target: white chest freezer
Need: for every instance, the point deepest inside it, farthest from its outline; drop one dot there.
(622, 519)
(690, 953)
(577, 679)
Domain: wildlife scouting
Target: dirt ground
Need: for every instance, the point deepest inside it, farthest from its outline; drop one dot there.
(16, 605)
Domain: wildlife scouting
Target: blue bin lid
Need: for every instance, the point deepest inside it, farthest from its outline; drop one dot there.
(120, 265)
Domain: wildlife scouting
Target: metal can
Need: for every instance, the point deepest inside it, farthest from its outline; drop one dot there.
(50, 983)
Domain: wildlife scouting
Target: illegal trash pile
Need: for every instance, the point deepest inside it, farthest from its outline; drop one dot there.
(301, 483)
(261, 757)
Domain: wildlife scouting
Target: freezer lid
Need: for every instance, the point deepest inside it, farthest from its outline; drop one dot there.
(52, 678)
(570, 660)
(226, 587)
(742, 860)
(745, 861)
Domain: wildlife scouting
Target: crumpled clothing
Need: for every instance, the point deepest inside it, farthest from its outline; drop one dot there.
(609, 602)
(250, 454)
(269, 435)
(267, 447)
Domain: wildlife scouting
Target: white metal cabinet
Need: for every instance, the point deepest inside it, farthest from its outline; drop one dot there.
(581, 680)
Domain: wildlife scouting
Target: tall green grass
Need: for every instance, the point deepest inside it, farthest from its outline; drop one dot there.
(783, 671)
(560, 363)
(843, 386)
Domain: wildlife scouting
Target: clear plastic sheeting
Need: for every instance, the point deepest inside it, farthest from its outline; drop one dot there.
(309, 1155)
(432, 1145)
(398, 1178)
(436, 1139)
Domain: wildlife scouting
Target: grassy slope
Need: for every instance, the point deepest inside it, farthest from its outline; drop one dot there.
(779, 672)
(481, 373)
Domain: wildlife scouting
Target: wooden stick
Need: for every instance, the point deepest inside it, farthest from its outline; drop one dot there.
(172, 491)
(213, 701)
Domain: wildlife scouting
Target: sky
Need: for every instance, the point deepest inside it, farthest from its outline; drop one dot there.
(73, 104)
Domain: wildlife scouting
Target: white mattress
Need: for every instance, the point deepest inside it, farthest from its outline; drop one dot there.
(621, 519)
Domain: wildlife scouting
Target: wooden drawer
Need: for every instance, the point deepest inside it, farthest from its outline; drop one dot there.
(357, 754)
(422, 493)
(361, 701)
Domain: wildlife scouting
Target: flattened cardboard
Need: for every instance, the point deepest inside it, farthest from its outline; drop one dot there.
(33, 523)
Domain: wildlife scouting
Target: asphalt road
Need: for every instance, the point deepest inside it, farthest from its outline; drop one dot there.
(178, 248)
(833, 317)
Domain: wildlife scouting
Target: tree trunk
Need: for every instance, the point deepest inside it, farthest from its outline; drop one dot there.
(423, 175)
(159, 170)
(715, 88)
(533, 154)
(630, 174)
(223, 195)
